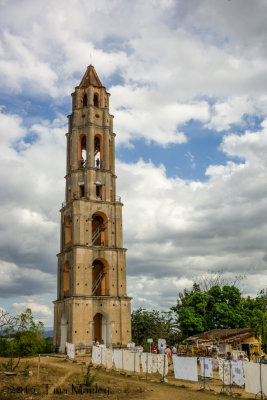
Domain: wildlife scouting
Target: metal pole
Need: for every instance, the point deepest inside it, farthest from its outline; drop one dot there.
(134, 361)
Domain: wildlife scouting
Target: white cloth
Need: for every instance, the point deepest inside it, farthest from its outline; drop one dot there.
(70, 350)
(146, 362)
(102, 355)
(224, 371)
(116, 353)
(98, 355)
(252, 377)
(237, 372)
(215, 363)
(162, 342)
(162, 362)
(118, 358)
(131, 361)
(206, 367)
(149, 362)
(185, 368)
(109, 358)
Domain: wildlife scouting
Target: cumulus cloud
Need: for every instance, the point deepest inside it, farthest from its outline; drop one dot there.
(178, 229)
(32, 187)
(18, 281)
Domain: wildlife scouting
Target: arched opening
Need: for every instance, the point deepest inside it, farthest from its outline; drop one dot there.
(82, 151)
(81, 190)
(98, 190)
(85, 100)
(96, 100)
(98, 151)
(100, 278)
(63, 334)
(68, 232)
(102, 329)
(66, 279)
(99, 229)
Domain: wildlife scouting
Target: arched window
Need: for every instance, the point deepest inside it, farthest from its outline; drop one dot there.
(100, 285)
(82, 151)
(98, 151)
(66, 279)
(99, 229)
(85, 100)
(67, 232)
(96, 100)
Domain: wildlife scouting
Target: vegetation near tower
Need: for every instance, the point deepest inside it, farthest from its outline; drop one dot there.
(21, 336)
(199, 310)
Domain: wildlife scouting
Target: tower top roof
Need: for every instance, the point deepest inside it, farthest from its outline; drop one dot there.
(90, 78)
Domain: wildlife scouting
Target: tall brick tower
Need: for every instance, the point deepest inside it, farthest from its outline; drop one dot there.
(92, 300)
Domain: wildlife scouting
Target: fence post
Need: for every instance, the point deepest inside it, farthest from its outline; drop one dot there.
(163, 374)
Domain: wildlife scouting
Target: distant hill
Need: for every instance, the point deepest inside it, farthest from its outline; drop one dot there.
(48, 332)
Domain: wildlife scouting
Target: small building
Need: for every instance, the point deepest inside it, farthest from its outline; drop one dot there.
(233, 340)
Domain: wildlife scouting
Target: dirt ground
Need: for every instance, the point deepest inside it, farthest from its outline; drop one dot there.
(60, 378)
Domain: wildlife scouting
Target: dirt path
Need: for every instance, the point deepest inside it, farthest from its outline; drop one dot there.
(59, 382)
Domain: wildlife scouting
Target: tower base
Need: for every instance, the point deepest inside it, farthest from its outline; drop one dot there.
(81, 320)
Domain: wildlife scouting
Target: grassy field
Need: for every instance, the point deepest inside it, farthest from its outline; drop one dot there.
(60, 378)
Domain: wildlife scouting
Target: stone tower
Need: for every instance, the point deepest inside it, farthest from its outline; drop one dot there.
(91, 301)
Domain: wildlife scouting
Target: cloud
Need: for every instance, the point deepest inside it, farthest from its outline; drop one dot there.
(178, 229)
(18, 281)
(38, 309)
(32, 188)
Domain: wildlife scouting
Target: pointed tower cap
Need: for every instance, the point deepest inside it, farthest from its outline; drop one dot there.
(90, 78)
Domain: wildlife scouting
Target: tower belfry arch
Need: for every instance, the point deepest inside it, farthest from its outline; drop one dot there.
(92, 299)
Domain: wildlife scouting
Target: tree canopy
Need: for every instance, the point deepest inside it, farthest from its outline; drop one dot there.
(153, 324)
(22, 336)
(219, 307)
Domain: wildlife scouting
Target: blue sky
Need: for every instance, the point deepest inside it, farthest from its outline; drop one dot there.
(188, 92)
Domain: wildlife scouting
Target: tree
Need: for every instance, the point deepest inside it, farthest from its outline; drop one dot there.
(219, 307)
(23, 337)
(6, 319)
(153, 324)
